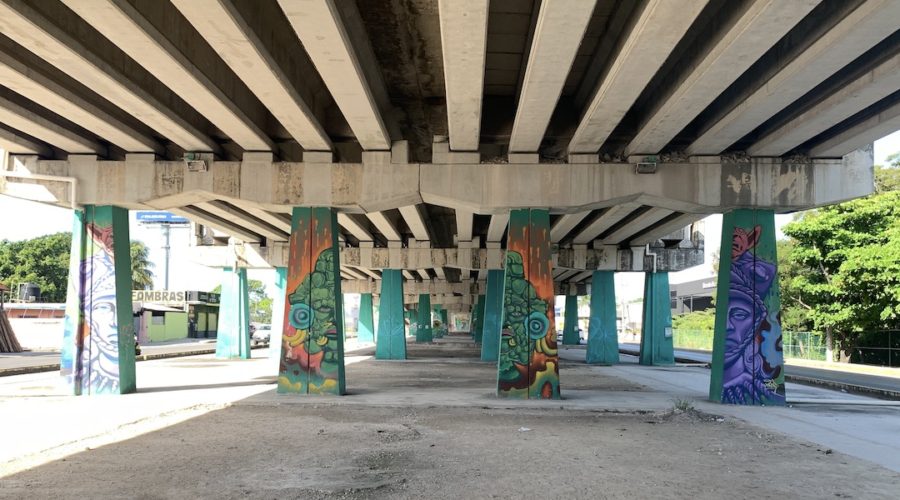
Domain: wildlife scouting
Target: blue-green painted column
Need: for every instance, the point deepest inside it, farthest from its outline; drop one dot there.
(278, 312)
(365, 330)
(748, 363)
(437, 312)
(603, 339)
(493, 316)
(570, 324)
(98, 331)
(424, 333)
(478, 327)
(657, 347)
(391, 339)
(233, 339)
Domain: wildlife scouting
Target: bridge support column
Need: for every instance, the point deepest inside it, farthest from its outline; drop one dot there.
(493, 316)
(528, 365)
(478, 325)
(278, 313)
(570, 326)
(603, 340)
(440, 331)
(748, 363)
(424, 333)
(233, 337)
(98, 340)
(391, 340)
(312, 358)
(365, 331)
(657, 346)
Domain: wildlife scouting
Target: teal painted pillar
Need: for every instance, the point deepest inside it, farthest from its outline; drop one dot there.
(479, 319)
(424, 333)
(312, 354)
(437, 312)
(278, 312)
(657, 347)
(98, 331)
(493, 316)
(233, 338)
(570, 324)
(366, 327)
(748, 363)
(603, 339)
(391, 339)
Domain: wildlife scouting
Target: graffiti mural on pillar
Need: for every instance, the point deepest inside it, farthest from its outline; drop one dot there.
(753, 359)
(528, 363)
(312, 353)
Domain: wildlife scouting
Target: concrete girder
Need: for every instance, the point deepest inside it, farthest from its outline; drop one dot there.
(636, 225)
(581, 276)
(758, 28)
(220, 24)
(354, 227)
(352, 273)
(861, 135)
(565, 224)
(859, 31)
(35, 86)
(13, 142)
(464, 220)
(413, 218)
(566, 274)
(19, 118)
(464, 43)
(320, 28)
(657, 29)
(385, 226)
(557, 37)
(423, 273)
(663, 230)
(229, 213)
(121, 23)
(409, 275)
(277, 221)
(859, 94)
(605, 221)
(439, 271)
(39, 35)
(226, 226)
(497, 227)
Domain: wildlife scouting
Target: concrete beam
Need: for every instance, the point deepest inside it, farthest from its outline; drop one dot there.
(657, 29)
(385, 226)
(861, 135)
(859, 94)
(560, 27)
(754, 31)
(220, 24)
(859, 31)
(464, 42)
(257, 226)
(564, 225)
(679, 222)
(354, 227)
(320, 28)
(415, 221)
(17, 117)
(464, 219)
(497, 227)
(39, 35)
(636, 225)
(408, 275)
(279, 222)
(37, 87)
(122, 24)
(605, 221)
(13, 142)
(219, 224)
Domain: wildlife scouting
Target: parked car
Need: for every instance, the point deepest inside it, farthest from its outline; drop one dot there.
(261, 335)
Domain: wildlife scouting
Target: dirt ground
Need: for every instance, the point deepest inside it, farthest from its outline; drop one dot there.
(270, 447)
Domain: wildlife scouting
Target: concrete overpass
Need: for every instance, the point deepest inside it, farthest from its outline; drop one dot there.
(424, 128)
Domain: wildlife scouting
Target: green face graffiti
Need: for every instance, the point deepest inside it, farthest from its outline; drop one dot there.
(527, 320)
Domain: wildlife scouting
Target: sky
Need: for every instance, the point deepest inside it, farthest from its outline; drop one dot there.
(27, 219)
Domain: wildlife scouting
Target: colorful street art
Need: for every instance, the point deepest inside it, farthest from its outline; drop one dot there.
(748, 363)
(528, 365)
(312, 351)
(98, 354)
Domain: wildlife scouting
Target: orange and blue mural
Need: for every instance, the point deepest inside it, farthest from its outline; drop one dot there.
(748, 362)
(98, 333)
(312, 351)
(528, 365)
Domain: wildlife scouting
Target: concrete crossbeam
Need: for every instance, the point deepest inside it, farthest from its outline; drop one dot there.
(13, 142)
(565, 224)
(39, 35)
(121, 23)
(19, 118)
(320, 28)
(861, 135)
(758, 27)
(656, 31)
(606, 220)
(859, 31)
(557, 36)
(636, 225)
(464, 41)
(859, 94)
(236, 43)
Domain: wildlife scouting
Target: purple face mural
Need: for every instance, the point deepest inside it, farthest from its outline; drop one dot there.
(753, 356)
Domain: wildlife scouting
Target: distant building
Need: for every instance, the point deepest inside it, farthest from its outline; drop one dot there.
(692, 296)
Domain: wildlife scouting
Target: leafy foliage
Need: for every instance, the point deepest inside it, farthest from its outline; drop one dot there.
(695, 321)
(141, 274)
(260, 302)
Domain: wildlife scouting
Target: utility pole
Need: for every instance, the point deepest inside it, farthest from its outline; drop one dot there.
(167, 232)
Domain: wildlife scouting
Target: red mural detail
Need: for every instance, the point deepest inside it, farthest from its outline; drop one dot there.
(744, 240)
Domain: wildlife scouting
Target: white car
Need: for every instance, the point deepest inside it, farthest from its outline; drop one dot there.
(261, 335)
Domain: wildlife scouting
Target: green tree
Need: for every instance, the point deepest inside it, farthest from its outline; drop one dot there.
(260, 302)
(141, 274)
(43, 261)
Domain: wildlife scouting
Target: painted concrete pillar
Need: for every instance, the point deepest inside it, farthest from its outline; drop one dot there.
(278, 312)
(233, 337)
(603, 340)
(312, 356)
(570, 324)
(528, 365)
(365, 330)
(436, 312)
(478, 326)
(657, 347)
(493, 316)
(445, 319)
(98, 331)
(748, 363)
(391, 339)
(424, 333)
